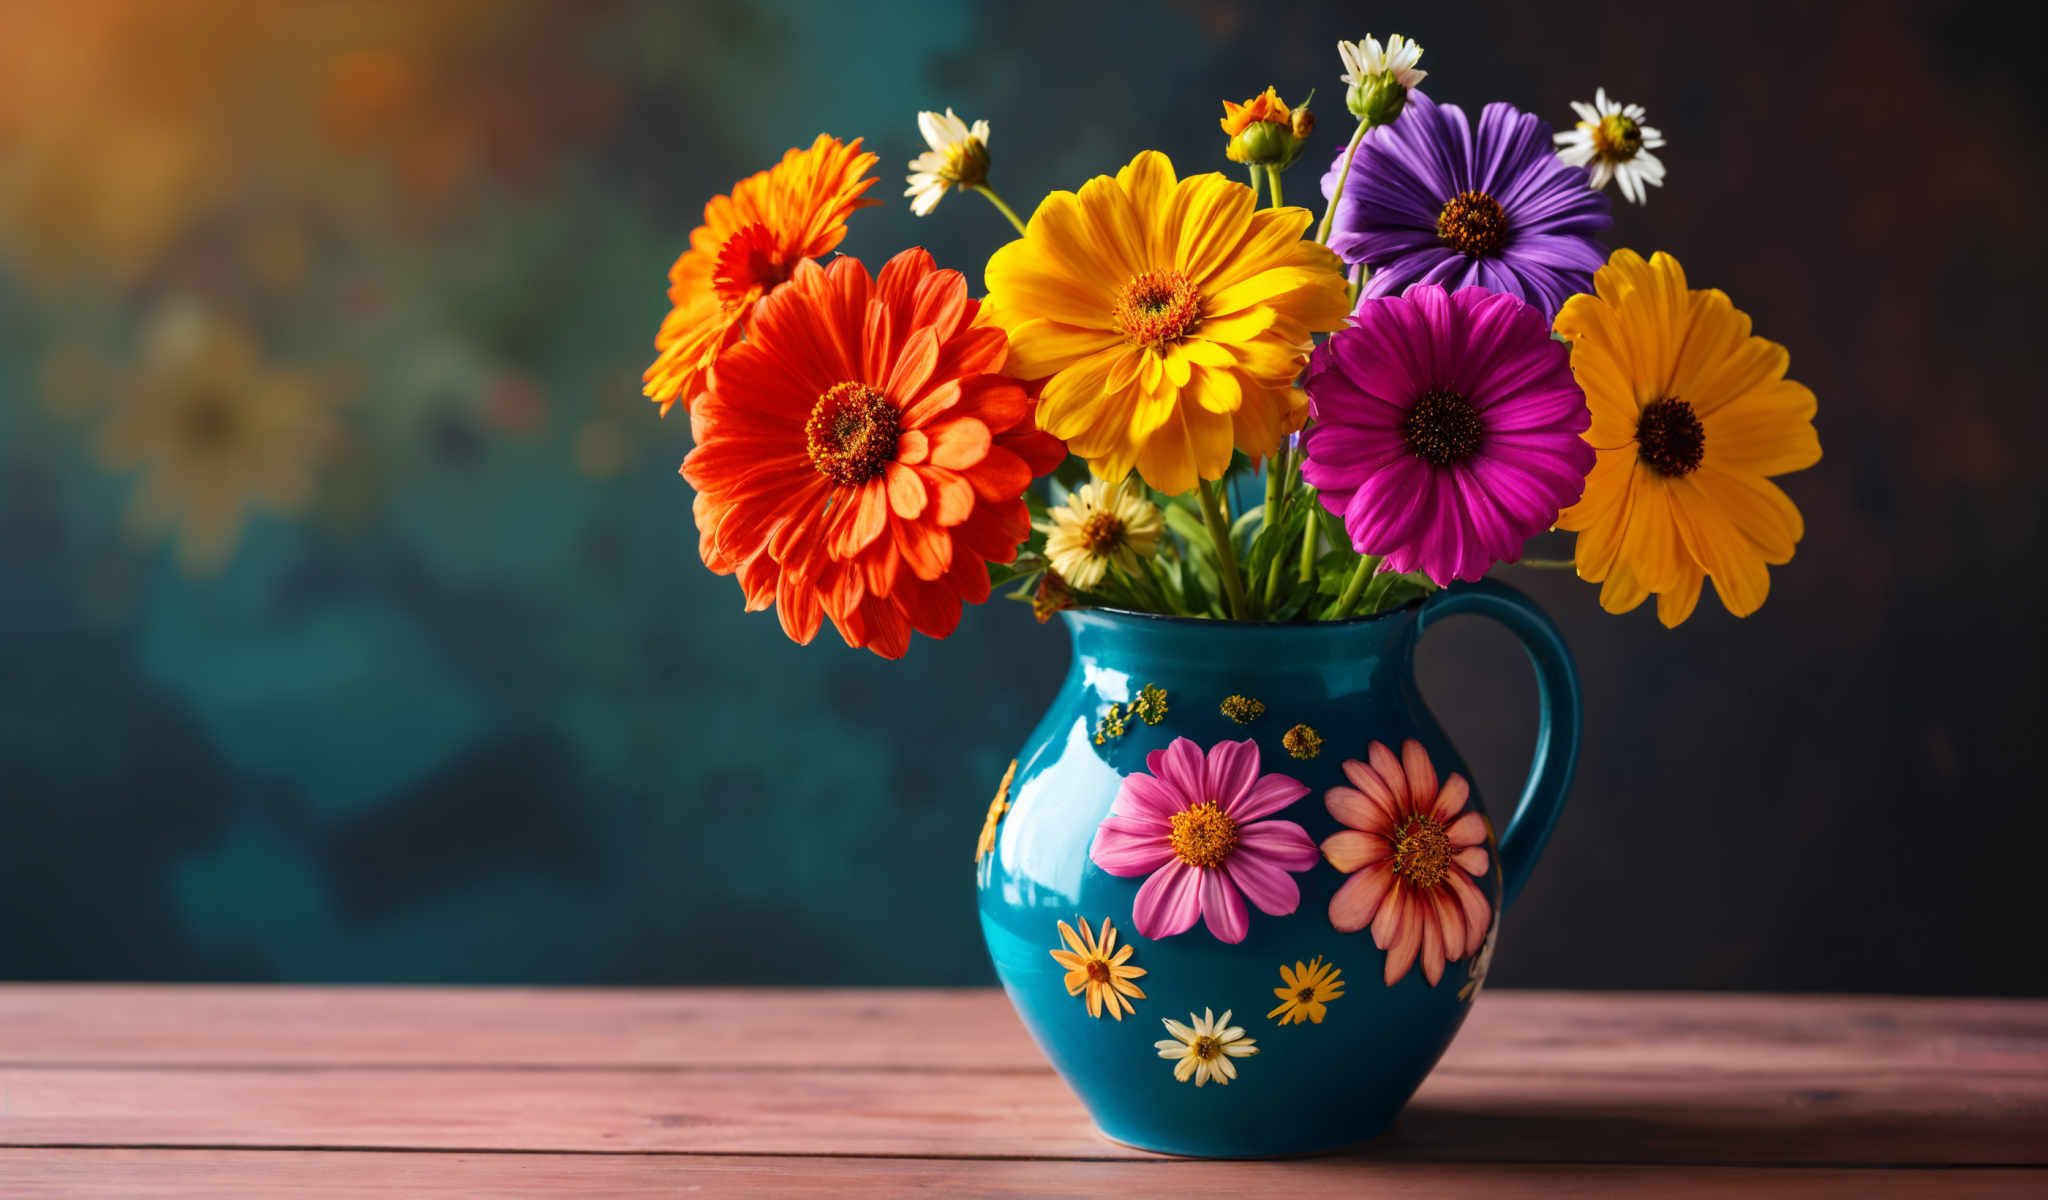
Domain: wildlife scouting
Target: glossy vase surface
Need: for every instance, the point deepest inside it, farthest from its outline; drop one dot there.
(1309, 1086)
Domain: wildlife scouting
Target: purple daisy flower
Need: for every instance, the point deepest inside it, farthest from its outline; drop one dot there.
(1429, 200)
(1445, 429)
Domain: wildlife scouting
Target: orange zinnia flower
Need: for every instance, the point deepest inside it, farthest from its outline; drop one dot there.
(860, 456)
(1267, 106)
(749, 244)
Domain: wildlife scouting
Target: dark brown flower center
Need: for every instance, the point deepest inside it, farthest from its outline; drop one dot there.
(852, 433)
(1203, 836)
(1157, 308)
(1206, 1048)
(1098, 971)
(1443, 429)
(1473, 223)
(1305, 994)
(1102, 532)
(1422, 851)
(208, 418)
(1669, 437)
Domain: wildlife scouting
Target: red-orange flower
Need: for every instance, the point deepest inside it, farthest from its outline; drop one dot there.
(1267, 106)
(860, 456)
(749, 244)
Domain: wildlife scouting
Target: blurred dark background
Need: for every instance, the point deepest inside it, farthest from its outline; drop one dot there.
(436, 689)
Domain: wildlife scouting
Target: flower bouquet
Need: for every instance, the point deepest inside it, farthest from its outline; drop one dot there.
(1246, 529)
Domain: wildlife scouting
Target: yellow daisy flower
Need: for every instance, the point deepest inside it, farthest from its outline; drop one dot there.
(996, 808)
(1100, 969)
(1309, 990)
(1691, 416)
(1172, 317)
(1102, 525)
(1204, 1050)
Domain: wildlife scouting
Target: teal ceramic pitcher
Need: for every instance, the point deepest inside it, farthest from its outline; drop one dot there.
(1263, 821)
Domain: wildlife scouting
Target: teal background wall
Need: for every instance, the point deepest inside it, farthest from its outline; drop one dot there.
(469, 709)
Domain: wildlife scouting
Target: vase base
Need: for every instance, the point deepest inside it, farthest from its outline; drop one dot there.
(1317, 1150)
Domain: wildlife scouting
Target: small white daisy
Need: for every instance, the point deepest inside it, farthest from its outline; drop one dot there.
(1365, 60)
(1204, 1050)
(958, 158)
(1613, 140)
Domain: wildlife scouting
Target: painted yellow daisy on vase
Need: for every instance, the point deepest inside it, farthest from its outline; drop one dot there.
(1099, 970)
(1169, 318)
(996, 808)
(1691, 417)
(1309, 989)
(1205, 1050)
(1102, 525)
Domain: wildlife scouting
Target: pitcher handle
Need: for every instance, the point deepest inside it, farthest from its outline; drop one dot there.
(1557, 717)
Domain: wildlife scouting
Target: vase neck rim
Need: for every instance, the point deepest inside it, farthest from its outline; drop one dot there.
(1099, 631)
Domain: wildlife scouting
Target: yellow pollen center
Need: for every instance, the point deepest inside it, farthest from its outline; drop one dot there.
(1102, 533)
(1473, 223)
(1422, 851)
(1617, 138)
(851, 434)
(1156, 309)
(1206, 1048)
(1203, 836)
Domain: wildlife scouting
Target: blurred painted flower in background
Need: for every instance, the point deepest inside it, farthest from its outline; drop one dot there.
(1430, 199)
(1169, 347)
(958, 157)
(1691, 415)
(749, 244)
(215, 433)
(1612, 139)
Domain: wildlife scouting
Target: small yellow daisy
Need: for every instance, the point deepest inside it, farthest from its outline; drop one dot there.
(1309, 990)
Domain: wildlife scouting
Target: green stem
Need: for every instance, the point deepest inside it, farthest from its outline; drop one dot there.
(1353, 586)
(1273, 178)
(1226, 553)
(1330, 213)
(1549, 564)
(1001, 207)
(1308, 538)
(1256, 171)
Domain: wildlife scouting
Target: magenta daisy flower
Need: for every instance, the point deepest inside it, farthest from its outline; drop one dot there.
(1431, 200)
(1445, 429)
(1195, 827)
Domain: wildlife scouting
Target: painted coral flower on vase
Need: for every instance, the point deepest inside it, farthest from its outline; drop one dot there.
(1447, 430)
(1412, 849)
(1199, 828)
(1431, 199)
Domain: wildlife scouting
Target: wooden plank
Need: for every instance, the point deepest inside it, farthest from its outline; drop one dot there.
(207, 1174)
(967, 1030)
(1816, 1117)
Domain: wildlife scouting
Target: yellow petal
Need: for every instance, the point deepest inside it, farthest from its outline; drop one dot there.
(1040, 347)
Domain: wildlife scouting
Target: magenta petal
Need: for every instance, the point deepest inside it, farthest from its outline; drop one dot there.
(1130, 846)
(1169, 902)
(1264, 883)
(1182, 768)
(1282, 843)
(1266, 797)
(1231, 769)
(1223, 907)
(1144, 796)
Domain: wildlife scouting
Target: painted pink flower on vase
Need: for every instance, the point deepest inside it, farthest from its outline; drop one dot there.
(1412, 850)
(1196, 827)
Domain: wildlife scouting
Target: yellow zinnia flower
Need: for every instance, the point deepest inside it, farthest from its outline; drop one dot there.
(1171, 316)
(1102, 525)
(1691, 415)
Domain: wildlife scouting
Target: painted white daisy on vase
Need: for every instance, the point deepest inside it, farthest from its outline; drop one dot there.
(1203, 1051)
(1612, 139)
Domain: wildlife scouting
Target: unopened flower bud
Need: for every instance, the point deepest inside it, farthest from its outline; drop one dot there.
(1376, 100)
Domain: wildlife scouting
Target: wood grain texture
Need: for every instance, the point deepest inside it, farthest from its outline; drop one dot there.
(880, 1092)
(229, 1175)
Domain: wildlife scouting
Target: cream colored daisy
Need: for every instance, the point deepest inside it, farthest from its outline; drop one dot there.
(1204, 1050)
(1365, 60)
(1613, 140)
(1102, 525)
(958, 158)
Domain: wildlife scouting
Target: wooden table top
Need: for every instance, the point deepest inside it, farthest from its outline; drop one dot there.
(266, 1091)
